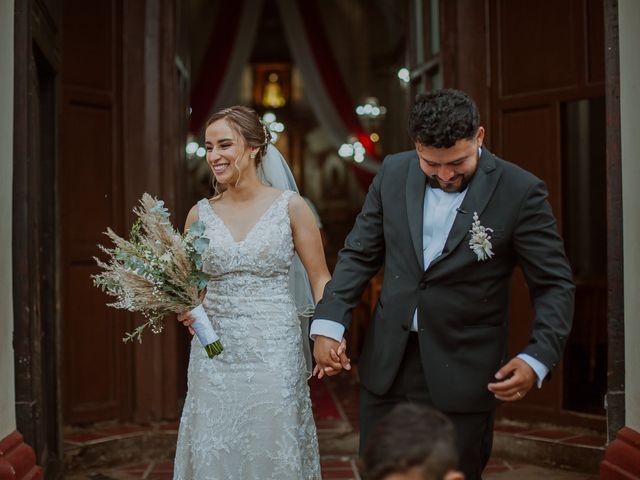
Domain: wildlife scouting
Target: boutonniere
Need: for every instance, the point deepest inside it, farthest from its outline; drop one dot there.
(480, 239)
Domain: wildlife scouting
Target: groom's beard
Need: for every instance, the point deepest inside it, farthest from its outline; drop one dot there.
(459, 185)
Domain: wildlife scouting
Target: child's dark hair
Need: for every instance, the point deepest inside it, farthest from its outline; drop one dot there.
(442, 117)
(411, 436)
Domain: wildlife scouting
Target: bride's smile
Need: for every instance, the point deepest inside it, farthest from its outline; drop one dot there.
(219, 168)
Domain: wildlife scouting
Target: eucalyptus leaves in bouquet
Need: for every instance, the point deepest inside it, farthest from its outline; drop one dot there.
(157, 271)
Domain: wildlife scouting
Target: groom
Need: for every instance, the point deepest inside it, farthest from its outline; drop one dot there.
(449, 221)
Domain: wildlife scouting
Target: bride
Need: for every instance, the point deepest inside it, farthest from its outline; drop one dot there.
(248, 414)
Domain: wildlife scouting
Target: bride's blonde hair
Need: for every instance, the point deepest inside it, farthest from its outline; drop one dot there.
(246, 124)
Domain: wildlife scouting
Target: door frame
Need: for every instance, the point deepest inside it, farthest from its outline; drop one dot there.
(615, 398)
(35, 232)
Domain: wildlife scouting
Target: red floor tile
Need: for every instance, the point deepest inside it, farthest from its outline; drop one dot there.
(510, 429)
(494, 470)
(138, 469)
(82, 437)
(549, 434)
(162, 467)
(495, 462)
(123, 430)
(586, 440)
(346, 474)
(333, 463)
(172, 426)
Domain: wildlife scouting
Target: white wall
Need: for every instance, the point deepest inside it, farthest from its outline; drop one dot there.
(7, 398)
(629, 21)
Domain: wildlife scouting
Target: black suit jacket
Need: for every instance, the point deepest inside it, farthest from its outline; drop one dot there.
(462, 302)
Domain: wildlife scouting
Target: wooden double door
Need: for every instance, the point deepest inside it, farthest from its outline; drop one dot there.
(536, 70)
(123, 117)
(101, 114)
(548, 115)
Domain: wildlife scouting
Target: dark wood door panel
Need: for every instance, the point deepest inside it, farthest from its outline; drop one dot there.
(94, 353)
(96, 363)
(93, 361)
(537, 45)
(521, 316)
(595, 42)
(88, 175)
(530, 140)
(89, 43)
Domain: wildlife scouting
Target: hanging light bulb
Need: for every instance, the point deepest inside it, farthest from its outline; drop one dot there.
(191, 148)
(404, 75)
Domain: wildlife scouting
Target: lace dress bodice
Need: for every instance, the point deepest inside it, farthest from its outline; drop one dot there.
(256, 265)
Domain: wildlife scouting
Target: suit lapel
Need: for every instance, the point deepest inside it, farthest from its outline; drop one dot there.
(416, 184)
(479, 192)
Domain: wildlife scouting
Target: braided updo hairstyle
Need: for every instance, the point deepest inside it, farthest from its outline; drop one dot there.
(245, 123)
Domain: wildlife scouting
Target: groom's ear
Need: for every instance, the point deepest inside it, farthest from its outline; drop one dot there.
(480, 135)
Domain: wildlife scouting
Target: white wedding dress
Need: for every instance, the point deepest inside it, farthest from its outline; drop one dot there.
(248, 414)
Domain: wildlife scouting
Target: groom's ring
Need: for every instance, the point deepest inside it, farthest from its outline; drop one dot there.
(519, 394)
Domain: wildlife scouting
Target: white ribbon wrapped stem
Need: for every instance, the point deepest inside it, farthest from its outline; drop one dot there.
(205, 332)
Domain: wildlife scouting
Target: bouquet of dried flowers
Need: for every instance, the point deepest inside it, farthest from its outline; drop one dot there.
(158, 271)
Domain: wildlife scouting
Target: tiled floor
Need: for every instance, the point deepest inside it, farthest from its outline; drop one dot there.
(338, 469)
(332, 468)
(103, 434)
(554, 436)
(153, 470)
(336, 413)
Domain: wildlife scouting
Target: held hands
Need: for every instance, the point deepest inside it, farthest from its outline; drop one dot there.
(515, 379)
(187, 319)
(330, 356)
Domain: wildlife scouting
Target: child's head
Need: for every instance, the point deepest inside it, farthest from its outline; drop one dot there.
(412, 442)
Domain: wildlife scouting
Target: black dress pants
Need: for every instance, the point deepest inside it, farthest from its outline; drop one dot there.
(474, 431)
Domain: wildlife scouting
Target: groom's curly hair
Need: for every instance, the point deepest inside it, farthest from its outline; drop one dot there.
(442, 117)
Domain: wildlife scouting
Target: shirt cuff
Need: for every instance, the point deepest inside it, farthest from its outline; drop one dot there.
(326, 328)
(538, 367)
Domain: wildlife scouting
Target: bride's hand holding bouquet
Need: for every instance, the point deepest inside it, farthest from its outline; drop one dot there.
(188, 318)
(157, 272)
